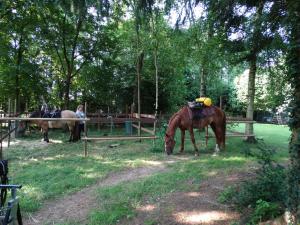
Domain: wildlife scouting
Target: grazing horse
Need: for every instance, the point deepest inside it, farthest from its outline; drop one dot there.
(45, 125)
(184, 120)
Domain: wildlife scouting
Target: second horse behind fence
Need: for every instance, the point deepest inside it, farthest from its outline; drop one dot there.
(73, 126)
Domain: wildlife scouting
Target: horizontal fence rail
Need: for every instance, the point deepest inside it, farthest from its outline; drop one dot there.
(45, 119)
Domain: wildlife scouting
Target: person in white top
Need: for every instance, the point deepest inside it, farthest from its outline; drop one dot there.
(80, 114)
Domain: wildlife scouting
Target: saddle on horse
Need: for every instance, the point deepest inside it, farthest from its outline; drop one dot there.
(52, 114)
(46, 113)
(201, 108)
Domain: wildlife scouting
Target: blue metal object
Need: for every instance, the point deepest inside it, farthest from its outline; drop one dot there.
(128, 127)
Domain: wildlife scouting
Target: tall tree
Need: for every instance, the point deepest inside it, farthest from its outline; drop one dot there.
(251, 27)
(72, 30)
(293, 62)
(18, 42)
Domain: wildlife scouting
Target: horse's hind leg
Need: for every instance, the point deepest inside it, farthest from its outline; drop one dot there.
(182, 141)
(218, 133)
(193, 141)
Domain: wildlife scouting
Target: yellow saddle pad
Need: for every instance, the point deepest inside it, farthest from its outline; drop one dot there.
(206, 101)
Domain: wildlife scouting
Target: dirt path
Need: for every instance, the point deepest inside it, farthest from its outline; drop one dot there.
(76, 207)
(200, 207)
(191, 208)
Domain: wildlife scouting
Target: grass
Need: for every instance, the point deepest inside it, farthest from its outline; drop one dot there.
(51, 171)
(120, 201)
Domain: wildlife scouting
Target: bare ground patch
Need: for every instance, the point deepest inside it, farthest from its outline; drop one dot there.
(191, 208)
(28, 144)
(76, 207)
(199, 207)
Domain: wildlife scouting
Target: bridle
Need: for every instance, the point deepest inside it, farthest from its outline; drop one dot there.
(170, 139)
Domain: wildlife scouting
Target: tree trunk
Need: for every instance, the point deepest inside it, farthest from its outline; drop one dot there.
(67, 91)
(139, 67)
(18, 73)
(250, 98)
(293, 63)
(203, 75)
(156, 86)
(257, 35)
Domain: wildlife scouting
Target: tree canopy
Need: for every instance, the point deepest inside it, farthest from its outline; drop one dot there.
(69, 52)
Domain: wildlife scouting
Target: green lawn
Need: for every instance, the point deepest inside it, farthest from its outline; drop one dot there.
(53, 170)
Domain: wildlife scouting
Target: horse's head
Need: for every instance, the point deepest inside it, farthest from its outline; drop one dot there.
(35, 114)
(22, 125)
(169, 144)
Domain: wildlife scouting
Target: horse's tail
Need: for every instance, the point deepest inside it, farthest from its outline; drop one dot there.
(76, 131)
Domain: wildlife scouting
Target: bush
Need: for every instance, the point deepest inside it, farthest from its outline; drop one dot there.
(266, 193)
(270, 185)
(159, 143)
(264, 211)
(226, 195)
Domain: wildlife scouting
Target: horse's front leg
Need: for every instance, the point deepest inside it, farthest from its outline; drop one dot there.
(193, 141)
(45, 134)
(71, 136)
(182, 140)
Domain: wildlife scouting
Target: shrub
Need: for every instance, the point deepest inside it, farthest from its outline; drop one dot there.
(226, 195)
(159, 143)
(266, 193)
(269, 185)
(265, 210)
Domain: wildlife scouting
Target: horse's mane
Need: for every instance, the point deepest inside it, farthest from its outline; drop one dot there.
(171, 123)
(172, 118)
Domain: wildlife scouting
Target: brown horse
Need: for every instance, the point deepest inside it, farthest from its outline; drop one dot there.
(45, 125)
(183, 119)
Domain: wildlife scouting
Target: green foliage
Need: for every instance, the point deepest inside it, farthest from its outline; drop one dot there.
(159, 143)
(293, 63)
(265, 193)
(265, 210)
(227, 194)
(87, 51)
(269, 185)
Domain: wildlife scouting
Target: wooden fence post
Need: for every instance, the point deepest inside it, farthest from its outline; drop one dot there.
(85, 131)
